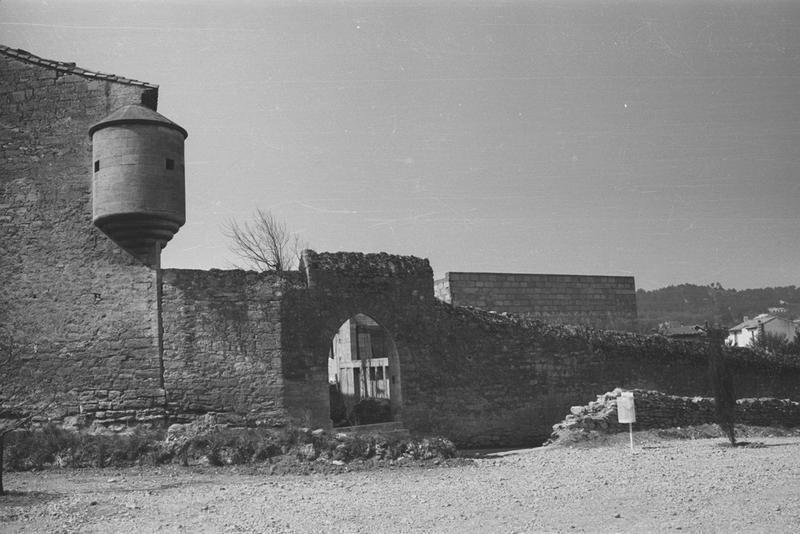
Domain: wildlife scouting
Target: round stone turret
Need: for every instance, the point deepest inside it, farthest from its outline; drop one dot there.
(138, 184)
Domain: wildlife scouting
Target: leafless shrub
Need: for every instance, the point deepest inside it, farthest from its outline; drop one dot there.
(264, 244)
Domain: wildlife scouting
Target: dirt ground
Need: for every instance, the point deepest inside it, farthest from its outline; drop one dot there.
(690, 486)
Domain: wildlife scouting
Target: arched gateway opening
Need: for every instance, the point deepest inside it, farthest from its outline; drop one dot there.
(363, 374)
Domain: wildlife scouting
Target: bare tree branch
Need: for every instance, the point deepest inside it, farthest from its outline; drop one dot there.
(265, 244)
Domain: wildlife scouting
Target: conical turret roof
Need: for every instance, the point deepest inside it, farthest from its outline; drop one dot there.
(135, 113)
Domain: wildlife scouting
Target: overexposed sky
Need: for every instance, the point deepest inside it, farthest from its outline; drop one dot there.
(659, 139)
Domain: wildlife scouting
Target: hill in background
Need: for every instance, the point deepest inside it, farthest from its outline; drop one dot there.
(690, 304)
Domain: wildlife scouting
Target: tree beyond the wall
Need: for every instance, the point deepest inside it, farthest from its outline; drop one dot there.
(265, 243)
(721, 383)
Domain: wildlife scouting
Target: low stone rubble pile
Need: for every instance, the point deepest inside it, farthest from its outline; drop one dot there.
(659, 410)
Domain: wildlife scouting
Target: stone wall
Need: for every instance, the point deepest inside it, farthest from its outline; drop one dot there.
(490, 379)
(478, 377)
(77, 308)
(395, 291)
(599, 301)
(222, 344)
(658, 410)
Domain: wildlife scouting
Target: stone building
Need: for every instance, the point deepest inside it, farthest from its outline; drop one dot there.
(93, 318)
(597, 301)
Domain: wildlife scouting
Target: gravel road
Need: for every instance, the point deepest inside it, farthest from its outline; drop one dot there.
(666, 486)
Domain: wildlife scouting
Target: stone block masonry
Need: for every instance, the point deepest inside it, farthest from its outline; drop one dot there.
(79, 309)
(598, 301)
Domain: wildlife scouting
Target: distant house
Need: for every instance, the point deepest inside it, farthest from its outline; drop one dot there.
(743, 334)
(694, 333)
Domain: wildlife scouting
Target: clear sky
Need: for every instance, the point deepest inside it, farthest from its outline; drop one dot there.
(659, 139)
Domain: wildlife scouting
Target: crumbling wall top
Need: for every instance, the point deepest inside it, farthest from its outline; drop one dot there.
(379, 264)
(384, 284)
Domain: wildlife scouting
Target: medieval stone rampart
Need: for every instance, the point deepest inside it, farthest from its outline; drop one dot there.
(485, 378)
(124, 342)
(395, 291)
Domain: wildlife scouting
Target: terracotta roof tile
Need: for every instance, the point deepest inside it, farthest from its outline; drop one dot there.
(24, 55)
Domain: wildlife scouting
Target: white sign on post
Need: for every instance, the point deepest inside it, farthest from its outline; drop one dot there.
(626, 412)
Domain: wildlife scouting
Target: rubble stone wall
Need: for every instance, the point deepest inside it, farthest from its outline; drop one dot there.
(477, 377)
(222, 344)
(486, 379)
(659, 410)
(395, 291)
(599, 301)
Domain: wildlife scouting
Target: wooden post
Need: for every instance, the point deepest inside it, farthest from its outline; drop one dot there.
(630, 432)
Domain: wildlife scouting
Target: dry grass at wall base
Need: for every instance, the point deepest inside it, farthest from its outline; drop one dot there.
(286, 449)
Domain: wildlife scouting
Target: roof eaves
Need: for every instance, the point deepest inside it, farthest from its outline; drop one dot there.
(755, 322)
(70, 68)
